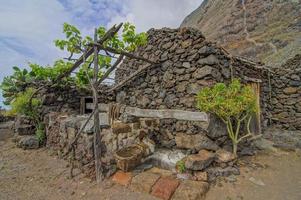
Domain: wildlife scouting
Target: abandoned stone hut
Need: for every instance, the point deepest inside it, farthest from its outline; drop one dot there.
(156, 105)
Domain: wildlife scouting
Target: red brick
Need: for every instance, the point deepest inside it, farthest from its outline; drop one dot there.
(165, 187)
(122, 178)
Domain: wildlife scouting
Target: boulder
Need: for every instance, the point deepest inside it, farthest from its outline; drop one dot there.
(28, 142)
(290, 90)
(223, 156)
(197, 141)
(202, 72)
(209, 60)
(214, 172)
(186, 65)
(199, 161)
(25, 129)
(217, 128)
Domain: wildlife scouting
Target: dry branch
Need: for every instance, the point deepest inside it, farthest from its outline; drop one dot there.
(127, 54)
(110, 33)
(118, 61)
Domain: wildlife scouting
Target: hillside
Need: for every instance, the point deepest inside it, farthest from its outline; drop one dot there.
(267, 31)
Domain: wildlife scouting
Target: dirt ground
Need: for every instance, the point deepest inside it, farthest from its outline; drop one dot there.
(37, 175)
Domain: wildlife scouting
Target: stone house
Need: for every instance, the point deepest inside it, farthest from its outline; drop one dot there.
(158, 101)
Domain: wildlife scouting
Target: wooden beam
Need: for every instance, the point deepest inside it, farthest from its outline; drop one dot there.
(153, 113)
(168, 114)
(111, 32)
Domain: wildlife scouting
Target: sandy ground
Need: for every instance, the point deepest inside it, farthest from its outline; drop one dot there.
(37, 175)
(273, 176)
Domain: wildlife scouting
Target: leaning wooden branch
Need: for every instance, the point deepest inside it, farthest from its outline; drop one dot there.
(110, 33)
(127, 54)
(108, 72)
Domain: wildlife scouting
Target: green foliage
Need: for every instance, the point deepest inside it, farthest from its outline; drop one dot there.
(232, 104)
(49, 73)
(181, 166)
(20, 105)
(74, 43)
(40, 133)
(227, 101)
(14, 84)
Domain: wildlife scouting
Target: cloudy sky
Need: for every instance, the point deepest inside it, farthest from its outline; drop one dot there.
(28, 27)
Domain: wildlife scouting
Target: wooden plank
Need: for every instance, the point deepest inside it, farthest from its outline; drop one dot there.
(168, 114)
(161, 114)
(255, 125)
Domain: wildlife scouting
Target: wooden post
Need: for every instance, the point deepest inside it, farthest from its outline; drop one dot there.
(97, 138)
(255, 125)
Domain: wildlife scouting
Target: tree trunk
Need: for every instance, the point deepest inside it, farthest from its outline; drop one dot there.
(97, 137)
(234, 148)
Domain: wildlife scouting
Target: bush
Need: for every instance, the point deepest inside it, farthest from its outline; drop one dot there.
(233, 104)
(21, 105)
(40, 133)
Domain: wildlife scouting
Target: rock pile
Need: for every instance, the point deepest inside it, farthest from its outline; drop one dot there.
(25, 137)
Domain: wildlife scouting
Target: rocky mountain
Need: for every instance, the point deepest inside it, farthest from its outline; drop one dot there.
(263, 30)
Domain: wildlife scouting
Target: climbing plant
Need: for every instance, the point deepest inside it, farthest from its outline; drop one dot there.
(233, 104)
(74, 43)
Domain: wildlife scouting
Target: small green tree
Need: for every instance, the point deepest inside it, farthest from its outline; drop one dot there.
(233, 104)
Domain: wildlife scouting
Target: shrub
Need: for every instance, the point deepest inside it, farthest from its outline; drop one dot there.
(233, 104)
(21, 105)
(40, 133)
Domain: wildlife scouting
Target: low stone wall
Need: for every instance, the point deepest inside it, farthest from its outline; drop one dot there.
(68, 99)
(61, 130)
(285, 95)
(189, 136)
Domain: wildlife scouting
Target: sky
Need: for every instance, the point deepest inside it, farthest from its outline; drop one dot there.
(29, 27)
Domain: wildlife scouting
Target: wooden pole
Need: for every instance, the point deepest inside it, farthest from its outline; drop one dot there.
(97, 138)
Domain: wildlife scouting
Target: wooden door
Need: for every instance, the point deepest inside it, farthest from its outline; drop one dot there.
(255, 126)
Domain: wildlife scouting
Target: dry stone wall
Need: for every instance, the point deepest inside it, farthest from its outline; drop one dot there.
(285, 95)
(61, 130)
(188, 64)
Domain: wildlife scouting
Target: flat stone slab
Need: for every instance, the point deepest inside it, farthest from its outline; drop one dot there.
(162, 172)
(165, 158)
(165, 187)
(122, 178)
(199, 161)
(144, 182)
(191, 190)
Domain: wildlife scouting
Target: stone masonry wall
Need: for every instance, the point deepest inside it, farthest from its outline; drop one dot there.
(188, 64)
(67, 99)
(285, 104)
(62, 128)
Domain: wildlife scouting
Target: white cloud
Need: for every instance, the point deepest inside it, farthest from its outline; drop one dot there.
(28, 28)
(146, 14)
